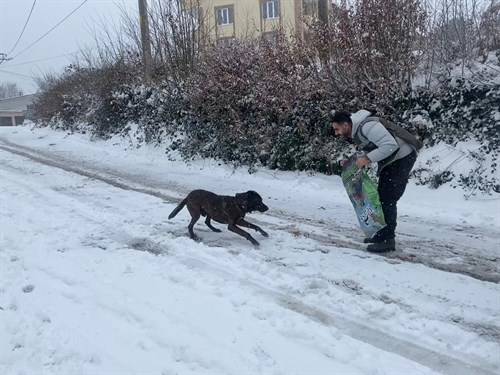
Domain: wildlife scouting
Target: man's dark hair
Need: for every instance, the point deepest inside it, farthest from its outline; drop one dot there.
(342, 116)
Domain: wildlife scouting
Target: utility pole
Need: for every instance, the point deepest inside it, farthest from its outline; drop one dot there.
(323, 11)
(145, 41)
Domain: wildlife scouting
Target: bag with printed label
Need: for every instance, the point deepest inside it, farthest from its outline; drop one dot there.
(362, 191)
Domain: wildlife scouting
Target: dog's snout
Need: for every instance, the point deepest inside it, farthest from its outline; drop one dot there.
(263, 207)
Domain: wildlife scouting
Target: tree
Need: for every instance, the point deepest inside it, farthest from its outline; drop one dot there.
(490, 28)
(369, 47)
(459, 30)
(9, 90)
(179, 34)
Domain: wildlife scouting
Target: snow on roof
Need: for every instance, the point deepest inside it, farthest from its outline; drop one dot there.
(17, 104)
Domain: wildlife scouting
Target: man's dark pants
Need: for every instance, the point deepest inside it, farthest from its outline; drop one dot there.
(391, 185)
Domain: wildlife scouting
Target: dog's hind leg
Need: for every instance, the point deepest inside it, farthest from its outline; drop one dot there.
(195, 215)
(209, 224)
(246, 224)
(241, 232)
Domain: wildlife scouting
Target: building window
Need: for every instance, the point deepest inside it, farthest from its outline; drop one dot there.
(225, 15)
(270, 9)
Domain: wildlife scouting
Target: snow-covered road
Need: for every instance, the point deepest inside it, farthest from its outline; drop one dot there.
(95, 280)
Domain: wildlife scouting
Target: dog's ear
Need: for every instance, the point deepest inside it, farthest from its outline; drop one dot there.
(253, 195)
(255, 202)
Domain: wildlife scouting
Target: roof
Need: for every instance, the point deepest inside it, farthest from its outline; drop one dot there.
(17, 104)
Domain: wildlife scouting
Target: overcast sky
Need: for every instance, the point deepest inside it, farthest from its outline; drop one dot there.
(54, 51)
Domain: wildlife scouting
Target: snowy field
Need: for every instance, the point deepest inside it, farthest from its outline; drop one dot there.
(95, 280)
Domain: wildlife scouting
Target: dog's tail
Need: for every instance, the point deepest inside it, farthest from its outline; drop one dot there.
(177, 209)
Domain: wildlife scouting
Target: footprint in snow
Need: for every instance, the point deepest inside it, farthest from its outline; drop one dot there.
(28, 288)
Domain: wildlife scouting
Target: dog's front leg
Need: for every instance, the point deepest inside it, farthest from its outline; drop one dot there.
(209, 224)
(246, 224)
(241, 232)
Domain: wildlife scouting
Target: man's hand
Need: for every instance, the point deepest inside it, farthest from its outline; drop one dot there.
(363, 161)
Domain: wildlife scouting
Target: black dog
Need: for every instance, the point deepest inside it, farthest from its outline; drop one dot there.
(223, 209)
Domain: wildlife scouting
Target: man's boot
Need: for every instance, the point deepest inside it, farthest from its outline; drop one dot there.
(382, 247)
(381, 235)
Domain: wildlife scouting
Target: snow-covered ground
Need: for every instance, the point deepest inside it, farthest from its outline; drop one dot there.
(95, 280)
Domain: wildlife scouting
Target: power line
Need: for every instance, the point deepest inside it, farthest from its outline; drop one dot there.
(64, 19)
(47, 58)
(24, 28)
(16, 74)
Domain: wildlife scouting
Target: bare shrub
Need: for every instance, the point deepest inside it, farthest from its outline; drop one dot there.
(489, 28)
(84, 95)
(454, 38)
(368, 49)
(249, 99)
(178, 36)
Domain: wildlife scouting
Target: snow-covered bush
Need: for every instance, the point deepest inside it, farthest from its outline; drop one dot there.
(154, 108)
(462, 110)
(86, 95)
(250, 101)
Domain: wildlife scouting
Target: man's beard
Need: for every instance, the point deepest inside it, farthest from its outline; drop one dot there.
(349, 140)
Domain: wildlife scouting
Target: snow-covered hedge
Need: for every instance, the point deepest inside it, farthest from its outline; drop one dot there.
(265, 105)
(252, 104)
(461, 110)
(155, 110)
(85, 95)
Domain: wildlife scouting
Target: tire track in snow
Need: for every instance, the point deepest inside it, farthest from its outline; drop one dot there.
(427, 357)
(116, 181)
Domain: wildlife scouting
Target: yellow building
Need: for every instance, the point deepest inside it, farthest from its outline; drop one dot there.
(225, 20)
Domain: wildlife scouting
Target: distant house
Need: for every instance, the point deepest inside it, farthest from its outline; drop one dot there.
(13, 111)
(226, 20)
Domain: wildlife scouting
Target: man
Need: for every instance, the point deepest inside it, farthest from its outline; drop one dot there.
(395, 158)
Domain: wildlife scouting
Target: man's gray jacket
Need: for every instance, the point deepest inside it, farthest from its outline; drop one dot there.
(380, 146)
